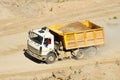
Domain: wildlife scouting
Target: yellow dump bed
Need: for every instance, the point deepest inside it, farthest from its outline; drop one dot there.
(79, 34)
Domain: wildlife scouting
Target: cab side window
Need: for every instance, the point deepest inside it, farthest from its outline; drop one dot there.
(47, 41)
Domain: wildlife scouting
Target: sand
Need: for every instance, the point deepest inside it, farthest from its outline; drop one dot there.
(19, 16)
(73, 27)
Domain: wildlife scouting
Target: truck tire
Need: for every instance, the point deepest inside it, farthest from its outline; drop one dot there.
(50, 58)
(90, 52)
(79, 54)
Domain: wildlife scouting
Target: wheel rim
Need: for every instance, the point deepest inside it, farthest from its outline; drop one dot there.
(51, 58)
(80, 55)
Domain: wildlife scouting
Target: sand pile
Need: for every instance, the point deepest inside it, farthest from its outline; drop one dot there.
(74, 27)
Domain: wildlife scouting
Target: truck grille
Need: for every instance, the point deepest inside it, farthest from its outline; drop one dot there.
(32, 49)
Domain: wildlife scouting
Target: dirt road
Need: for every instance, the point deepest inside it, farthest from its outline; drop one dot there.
(13, 36)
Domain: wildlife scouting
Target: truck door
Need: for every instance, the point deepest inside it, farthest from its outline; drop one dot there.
(47, 46)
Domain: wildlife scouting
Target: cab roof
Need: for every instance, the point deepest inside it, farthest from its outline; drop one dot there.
(44, 32)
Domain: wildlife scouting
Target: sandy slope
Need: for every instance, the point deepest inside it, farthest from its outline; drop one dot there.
(13, 32)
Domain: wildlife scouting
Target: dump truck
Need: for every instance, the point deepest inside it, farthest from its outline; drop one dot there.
(57, 42)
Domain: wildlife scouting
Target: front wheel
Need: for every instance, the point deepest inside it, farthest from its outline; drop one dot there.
(50, 58)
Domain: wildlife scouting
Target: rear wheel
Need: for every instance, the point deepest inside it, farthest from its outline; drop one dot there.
(50, 58)
(79, 54)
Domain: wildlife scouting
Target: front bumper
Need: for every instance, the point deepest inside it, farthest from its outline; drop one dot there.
(39, 57)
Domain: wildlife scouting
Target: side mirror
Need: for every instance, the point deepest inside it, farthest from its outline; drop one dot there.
(29, 32)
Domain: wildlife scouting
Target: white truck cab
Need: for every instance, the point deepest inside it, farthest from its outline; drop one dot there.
(40, 44)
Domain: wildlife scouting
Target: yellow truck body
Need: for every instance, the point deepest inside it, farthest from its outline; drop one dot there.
(93, 35)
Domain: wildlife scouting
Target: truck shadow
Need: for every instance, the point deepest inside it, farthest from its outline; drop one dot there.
(32, 58)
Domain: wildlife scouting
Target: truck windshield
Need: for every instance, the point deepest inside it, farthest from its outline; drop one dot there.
(35, 37)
